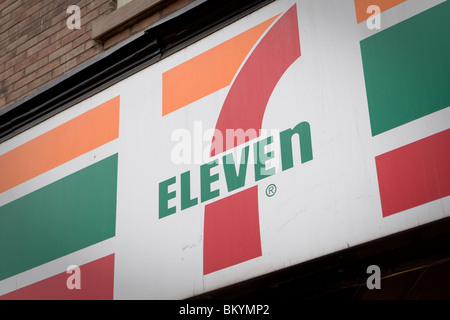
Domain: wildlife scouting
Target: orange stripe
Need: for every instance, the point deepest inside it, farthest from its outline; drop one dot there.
(362, 5)
(61, 144)
(209, 71)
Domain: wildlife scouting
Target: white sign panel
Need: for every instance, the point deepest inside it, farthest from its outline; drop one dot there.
(304, 128)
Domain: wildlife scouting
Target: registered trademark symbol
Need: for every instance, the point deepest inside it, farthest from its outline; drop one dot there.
(271, 190)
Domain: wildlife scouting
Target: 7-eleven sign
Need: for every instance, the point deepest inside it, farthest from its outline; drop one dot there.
(253, 63)
(407, 76)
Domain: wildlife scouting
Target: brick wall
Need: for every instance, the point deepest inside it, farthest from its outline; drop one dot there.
(36, 46)
(170, 7)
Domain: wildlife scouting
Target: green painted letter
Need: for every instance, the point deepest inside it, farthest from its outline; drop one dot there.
(235, 181)
(165, 196)
(304, 132)
(186, 201)
(206, 179)
(260, 159)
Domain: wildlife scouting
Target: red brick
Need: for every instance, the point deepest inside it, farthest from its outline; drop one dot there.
(33, 9)
(48, 50)
(90, 16)
(36, 46)
(13, 78)
(6, 74)
(81, 40)
(107, 7)
(62, 69)
(59, 15)
(15, 59)
(87, 55)
(5, 60)
(27, 44)
(91, 44)
(5, 4)
(13, 6)
(20, 26)
(38, 64)
(71, 54)
(4, 19)
(60, 52)
(48, 67)
(40, 81)
(2, 101)
(72, 36)
(16, 95)
(25, 63)
(23, 81)
(51, 30)
(13, 45)
(174, 7)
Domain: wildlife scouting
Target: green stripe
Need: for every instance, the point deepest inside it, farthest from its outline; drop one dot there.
(407, 69)
(70, 214)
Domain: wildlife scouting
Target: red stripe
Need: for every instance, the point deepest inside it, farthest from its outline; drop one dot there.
(96, 278)
(414, 174)
(231, 228)
(231, 231)
(245, 105)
